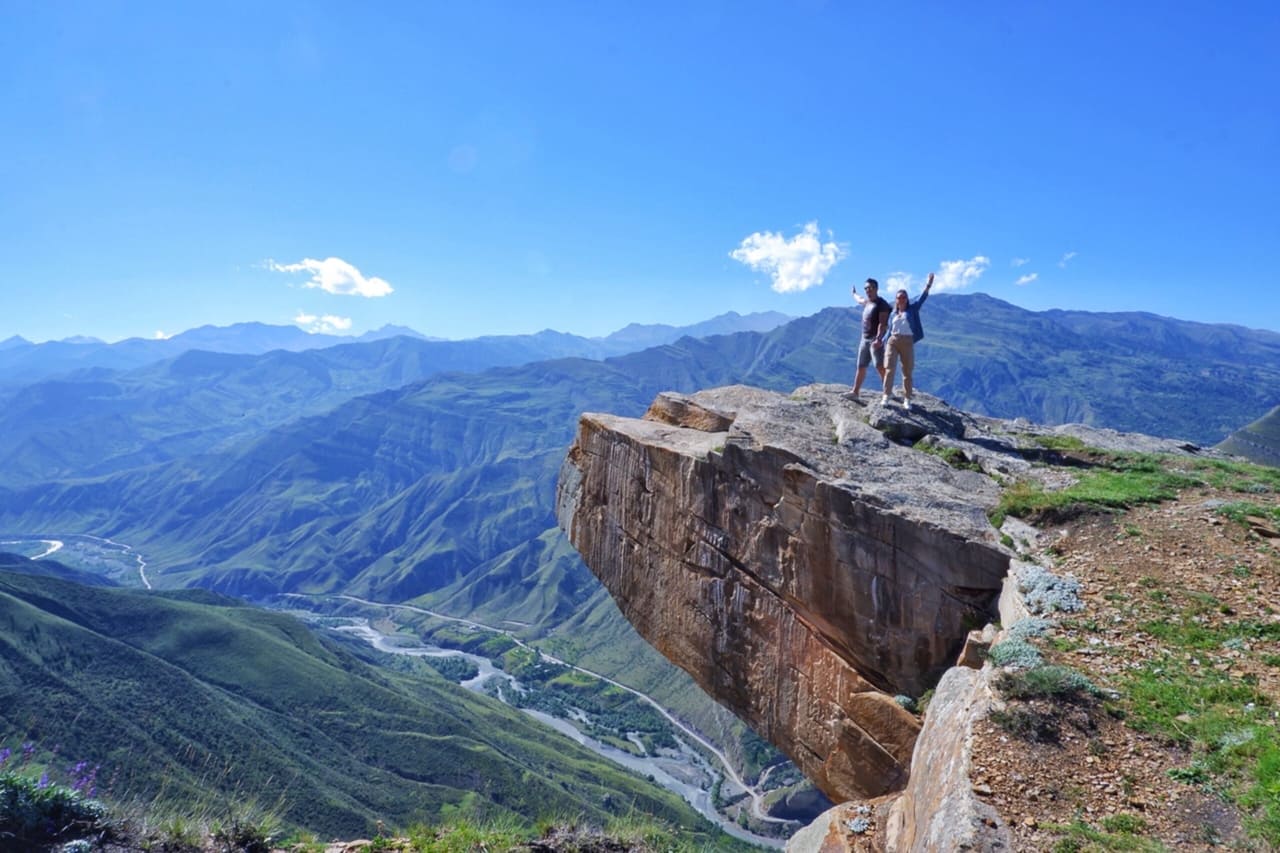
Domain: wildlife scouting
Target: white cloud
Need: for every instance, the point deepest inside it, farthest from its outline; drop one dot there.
(1028, 278)
(326, 325)
(1066, 257)
(794, 265)
(954, 275)
(161, 336)
(334, 275)
(1018, 262)
(898, 281)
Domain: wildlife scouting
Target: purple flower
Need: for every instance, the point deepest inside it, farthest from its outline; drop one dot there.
(44, 781)
(28, 750)
(84, 778)
(4, 755)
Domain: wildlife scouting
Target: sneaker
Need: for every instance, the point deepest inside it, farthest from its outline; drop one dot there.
(884, 401)
(906, 403)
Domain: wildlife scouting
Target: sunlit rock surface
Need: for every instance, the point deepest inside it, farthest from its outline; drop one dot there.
(799, 564)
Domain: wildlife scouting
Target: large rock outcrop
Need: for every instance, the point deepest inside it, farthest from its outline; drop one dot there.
(798, 563)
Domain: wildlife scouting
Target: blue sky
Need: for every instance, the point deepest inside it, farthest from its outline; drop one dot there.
(503, 167)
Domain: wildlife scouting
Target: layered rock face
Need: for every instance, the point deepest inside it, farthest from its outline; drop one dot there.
(798, 563)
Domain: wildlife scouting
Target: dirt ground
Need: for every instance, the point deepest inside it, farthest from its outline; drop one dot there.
(1180, 557)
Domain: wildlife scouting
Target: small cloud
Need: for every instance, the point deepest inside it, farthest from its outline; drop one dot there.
(334, 275)
(954, 275)
(1019, 262)
(898, 281)
(794, 265)
(1066, 257)
(161, 336)
(1028, 278)
(326, 325)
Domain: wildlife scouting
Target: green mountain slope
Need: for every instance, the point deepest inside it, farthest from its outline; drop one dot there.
(1258, 442)
(97, 421)
(446, 483)
(189, 696)
(1132, 372)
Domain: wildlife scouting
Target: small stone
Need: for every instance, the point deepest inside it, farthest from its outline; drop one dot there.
(982, 790)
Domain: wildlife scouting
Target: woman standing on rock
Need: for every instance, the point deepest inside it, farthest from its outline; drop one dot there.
(904, 330)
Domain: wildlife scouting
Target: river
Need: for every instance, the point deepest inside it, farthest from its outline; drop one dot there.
(684, 772)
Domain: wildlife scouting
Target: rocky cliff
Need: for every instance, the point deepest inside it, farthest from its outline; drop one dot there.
(807, 558)
(803, 567)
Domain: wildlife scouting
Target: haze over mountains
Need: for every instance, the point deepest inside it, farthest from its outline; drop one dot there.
(402, 469)
(22, 361)
(280, 472)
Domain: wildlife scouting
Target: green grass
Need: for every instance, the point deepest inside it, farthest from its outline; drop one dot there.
(34, 812)
(1224, 721)
(1241, 511)
(463, 834)
(1114, 481)
(1119, 832)
(1238, 476)
(1117, 482)
(1059, 442)
(953, 456)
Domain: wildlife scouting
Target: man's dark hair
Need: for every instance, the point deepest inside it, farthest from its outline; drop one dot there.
(873, 283)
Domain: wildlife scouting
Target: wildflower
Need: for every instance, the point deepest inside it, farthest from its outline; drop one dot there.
(84, 778)
(44, 781)
(28, 750)
(4, 755)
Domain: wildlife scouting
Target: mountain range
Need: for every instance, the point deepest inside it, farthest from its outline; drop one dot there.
(229, 471)
(406, 470)
(23, 362)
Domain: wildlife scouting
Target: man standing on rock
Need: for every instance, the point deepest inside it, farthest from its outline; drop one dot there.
(875, 320)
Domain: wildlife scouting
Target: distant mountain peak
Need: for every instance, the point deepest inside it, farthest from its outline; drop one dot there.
(656, 334)
(14, 341)
(391, 330)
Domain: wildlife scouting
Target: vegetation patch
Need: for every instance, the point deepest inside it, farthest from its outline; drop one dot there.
(1048, 681)
(1224, 720)
(1044, 592)
(1238, 476)
(953, 456)
(1114, 481)
(1042, 698)
(1248, 514)
(1014, 653)
(1121, 832)
(1059, 442)
(35, 811)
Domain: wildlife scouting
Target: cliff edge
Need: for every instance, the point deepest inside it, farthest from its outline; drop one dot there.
(811, 560)
(802, 567)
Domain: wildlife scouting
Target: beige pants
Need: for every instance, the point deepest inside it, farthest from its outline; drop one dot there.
(900, 347)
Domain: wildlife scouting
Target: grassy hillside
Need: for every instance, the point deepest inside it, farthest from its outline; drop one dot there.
(189, 696)
(1258, 442)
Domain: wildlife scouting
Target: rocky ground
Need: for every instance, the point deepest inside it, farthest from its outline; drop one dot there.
(1077, 775)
